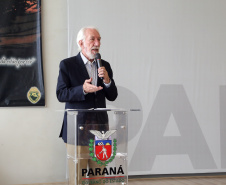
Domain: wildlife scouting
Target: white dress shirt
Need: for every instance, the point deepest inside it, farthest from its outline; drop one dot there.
(92, 70)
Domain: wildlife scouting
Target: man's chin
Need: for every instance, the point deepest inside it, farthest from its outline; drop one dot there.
(91, 57)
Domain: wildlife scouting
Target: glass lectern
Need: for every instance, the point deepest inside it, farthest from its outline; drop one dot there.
(97, 146)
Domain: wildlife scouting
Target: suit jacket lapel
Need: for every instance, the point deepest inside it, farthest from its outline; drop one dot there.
(83, 70)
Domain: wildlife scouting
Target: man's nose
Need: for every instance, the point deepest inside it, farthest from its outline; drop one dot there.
(97, 42)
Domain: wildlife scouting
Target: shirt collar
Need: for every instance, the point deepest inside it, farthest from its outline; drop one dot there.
(84, 59)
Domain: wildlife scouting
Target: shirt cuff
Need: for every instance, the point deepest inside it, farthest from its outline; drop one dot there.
(107, 85)
(84, 92)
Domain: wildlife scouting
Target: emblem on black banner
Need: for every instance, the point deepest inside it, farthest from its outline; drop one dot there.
(34, 95)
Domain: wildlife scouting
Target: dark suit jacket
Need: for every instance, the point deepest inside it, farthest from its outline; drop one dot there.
(72, 76)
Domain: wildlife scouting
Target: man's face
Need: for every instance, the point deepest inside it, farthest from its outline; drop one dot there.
(90, 46)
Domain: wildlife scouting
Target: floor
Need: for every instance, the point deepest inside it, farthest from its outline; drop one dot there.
(210, 180)
(196, 180)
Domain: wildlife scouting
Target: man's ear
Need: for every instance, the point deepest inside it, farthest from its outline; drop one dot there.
(80, 43)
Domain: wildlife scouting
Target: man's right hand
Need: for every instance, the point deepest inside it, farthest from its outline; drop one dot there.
(89, 88)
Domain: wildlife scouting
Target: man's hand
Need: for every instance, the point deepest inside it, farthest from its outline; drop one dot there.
(102, 72)
(89, 88)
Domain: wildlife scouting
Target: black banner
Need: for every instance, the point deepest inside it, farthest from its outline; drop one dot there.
(21, 74)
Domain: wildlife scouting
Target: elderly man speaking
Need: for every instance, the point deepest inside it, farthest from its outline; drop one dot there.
(82, 85)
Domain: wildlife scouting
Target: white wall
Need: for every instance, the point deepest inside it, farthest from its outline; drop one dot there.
(183, 48)
(30, 150)
(169, 59)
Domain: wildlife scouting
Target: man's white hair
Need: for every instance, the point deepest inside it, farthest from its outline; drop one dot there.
(81, 35)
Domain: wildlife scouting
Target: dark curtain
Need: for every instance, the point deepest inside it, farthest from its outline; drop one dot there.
(21, 73)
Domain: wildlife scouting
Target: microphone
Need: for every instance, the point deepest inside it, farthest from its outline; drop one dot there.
(98, 60)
